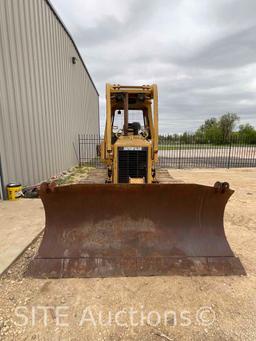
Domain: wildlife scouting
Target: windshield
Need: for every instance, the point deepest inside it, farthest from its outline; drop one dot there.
(135, 116)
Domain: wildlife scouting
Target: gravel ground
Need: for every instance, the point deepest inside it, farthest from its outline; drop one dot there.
(143, 308)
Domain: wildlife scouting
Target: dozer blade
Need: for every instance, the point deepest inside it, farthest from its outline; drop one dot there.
(102, 230)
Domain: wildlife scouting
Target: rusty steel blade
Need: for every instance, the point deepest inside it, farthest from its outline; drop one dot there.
(101, 230)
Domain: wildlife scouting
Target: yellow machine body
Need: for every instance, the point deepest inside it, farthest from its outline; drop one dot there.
(132, 137)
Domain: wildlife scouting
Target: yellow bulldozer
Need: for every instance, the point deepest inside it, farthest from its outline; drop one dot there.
(130, 151)
(139, 221)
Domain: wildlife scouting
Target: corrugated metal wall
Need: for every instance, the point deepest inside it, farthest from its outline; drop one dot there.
(46, 100)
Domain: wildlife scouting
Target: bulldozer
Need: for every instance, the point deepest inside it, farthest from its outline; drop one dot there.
(138, 221)
(130, 150)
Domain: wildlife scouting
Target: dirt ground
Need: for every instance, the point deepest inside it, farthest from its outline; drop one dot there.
(144, 308)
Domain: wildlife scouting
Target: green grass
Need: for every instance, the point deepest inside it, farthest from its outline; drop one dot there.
(73, 175)
(82, 169)
(191, 146)
(64, 180)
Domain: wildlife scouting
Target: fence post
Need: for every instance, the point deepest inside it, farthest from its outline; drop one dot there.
(79, 150)
(229, 152)
(179, 153)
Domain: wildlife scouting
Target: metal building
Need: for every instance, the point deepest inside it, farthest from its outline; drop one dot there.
(47, 96)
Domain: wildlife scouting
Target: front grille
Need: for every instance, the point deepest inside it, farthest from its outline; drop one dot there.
(132, 164)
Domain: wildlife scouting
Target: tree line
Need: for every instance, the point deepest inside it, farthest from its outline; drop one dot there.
(221, 130)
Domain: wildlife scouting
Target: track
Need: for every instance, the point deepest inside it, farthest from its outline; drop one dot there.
(98, 176)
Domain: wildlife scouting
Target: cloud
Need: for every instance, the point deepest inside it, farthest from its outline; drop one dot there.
(235, 50)
(201, 53)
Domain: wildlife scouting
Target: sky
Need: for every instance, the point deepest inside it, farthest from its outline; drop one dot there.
(200, 53)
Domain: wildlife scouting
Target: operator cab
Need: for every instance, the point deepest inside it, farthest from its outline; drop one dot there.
(137, 126)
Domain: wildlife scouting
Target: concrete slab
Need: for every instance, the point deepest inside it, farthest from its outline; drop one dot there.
(20, 222)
